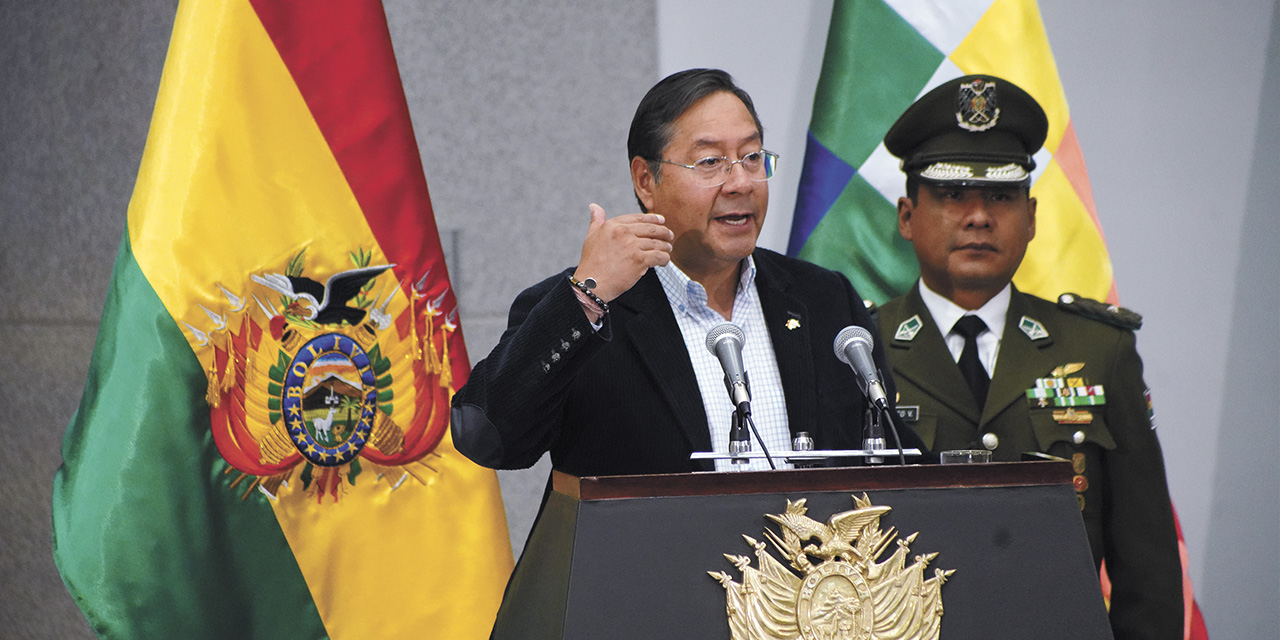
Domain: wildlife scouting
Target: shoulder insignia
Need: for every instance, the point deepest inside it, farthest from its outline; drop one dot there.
(908, 329)
(1101, 311)
(1151, 412)
(1032, 328)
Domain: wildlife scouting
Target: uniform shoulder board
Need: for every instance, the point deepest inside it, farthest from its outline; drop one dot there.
(1101, 311)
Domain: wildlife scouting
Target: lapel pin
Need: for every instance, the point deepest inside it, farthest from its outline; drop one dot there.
(908, 329)
(1032, 328)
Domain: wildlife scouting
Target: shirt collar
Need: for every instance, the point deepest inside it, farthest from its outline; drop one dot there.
(946, 313)
(684, 292)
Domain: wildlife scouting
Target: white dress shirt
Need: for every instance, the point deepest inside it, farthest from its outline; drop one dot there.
(946, 313)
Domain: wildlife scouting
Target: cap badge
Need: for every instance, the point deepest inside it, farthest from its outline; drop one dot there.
(978, 110)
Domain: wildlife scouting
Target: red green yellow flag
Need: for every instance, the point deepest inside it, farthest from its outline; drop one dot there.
(262, 447)
(880, 56)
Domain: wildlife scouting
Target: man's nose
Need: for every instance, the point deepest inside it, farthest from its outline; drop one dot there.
(738, 181)
(977, 213)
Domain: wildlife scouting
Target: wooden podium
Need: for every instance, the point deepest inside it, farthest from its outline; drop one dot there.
(627, 556)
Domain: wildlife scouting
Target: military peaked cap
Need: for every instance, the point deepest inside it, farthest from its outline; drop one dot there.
(974, 130)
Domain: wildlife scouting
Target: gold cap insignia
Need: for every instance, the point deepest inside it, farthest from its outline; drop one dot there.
(976, 105)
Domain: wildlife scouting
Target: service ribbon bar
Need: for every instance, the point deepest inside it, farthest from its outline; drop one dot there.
(1065, 392)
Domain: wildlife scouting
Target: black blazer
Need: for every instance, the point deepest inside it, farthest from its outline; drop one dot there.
(625, 400)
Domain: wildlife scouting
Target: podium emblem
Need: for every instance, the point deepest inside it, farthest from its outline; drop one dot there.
(831, 586)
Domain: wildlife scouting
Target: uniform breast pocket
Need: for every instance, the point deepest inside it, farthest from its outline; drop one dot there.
(1074, 428)
(1084, 443)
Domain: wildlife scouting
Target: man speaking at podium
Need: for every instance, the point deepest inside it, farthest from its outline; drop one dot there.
(605, 364)
(987, 366)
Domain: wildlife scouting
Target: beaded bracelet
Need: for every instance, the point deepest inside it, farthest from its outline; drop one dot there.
(586, 286)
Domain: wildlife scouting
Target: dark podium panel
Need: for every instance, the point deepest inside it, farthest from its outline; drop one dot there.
(627, 556)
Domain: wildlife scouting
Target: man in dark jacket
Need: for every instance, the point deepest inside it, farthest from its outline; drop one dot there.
(604, 365)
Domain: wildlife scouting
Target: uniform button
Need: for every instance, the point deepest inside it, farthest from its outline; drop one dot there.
(546, 368)
(564, 345)
(555, 357)
(576, 334)
(1078, 437)
(990, 441)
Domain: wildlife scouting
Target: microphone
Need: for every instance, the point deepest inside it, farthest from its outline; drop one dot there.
(853, 347)
(725, 341)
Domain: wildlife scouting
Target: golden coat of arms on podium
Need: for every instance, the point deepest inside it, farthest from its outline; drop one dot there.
(834, 589)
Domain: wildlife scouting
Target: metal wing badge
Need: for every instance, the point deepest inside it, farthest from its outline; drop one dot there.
(325, 381)
(833, 590)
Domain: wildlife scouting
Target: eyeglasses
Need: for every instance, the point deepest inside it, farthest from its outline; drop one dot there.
(714, 171)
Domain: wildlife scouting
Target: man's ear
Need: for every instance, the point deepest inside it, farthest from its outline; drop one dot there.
(643, 181)
(1031, 205)
(905, 209)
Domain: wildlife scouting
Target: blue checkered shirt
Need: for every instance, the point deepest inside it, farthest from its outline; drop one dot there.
(768, 404)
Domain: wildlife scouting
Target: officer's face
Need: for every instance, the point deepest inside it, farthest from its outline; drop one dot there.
(969, 240)
(714, 227)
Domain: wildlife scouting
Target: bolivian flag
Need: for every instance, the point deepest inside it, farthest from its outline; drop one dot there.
(262, 448)
(880, 56)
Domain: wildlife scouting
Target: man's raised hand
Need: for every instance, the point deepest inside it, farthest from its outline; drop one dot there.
(618, 251)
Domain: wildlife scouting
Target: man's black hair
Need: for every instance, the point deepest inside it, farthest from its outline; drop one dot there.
(651, 128)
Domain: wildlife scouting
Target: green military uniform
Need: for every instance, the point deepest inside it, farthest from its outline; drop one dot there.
(1120, 479)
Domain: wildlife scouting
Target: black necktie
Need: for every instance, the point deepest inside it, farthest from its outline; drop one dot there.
(970, 365)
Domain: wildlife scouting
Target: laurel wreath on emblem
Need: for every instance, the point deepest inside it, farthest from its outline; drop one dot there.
(845, 594)
(325, 381)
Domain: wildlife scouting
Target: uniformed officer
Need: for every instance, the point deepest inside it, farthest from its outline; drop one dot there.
(980, 364)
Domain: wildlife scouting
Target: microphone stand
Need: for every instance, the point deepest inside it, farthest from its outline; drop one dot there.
(740, 440)
(873, 433)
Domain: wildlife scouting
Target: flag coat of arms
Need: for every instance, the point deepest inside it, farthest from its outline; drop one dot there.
(881, 55)
(262, 447)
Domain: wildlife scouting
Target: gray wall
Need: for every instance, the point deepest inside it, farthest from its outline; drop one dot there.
(79, 81)
(521, 112)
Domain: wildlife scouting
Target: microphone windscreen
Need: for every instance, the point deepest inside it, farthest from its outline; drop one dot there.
(721, 331)
(849, 335)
